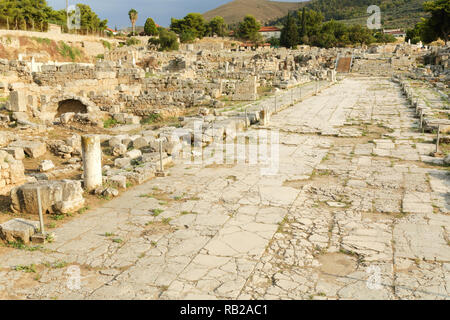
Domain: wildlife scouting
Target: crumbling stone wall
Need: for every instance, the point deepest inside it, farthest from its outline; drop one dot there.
(15, 66)
(11, 172)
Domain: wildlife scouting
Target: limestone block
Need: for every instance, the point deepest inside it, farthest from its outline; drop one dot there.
(20, 116)
(140, 143)
(133, 154)
(17, 153)
(18, 230)
(119, 149)
(122, 162)
(33, 149)
(118, 181)
(57, 196)
(115, 141)
(17, 101)
(447, 160)
(46, 165)
(67, 117)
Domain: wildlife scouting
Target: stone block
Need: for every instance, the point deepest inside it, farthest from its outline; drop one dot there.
(18, 230)
(17, 101)
(119, 149)
(46, 165)
(133, 154)
(122, 162)
(58, 196)
(140, 143)
(118, 181)
(33, 149)
(16, 152)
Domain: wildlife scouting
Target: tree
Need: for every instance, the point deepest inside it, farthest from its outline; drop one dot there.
(413, 34)
(382, 37)
(191, 26)
(274, 42)
(310, 24)
(248, 29)
(438, 25)
(303, 24)
(217, 26)
(150, 27)
(167, 40)
(36, 15)
(360, 35)
(89, 20)
(289, 33)
(133, 15)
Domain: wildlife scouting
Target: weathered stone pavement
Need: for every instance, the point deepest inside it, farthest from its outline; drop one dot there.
(353, 213)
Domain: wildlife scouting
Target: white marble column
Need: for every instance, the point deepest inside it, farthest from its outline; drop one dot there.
(92, 161)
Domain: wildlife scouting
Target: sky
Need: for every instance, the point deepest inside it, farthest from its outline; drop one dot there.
(116, 11)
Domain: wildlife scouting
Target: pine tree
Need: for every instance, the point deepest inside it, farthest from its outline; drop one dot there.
(289, 34)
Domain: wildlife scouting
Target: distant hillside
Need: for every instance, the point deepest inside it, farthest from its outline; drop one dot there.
(394, 13)
(262, 10)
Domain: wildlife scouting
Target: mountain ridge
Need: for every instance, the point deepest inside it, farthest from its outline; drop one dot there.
(263, 10)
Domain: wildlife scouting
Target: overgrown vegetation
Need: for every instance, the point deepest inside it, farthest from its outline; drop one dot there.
(69, 52)
(37, 15)
(194, 26)
(152, 118)
(111, 122)
(435, 27)
(308, 27)
(106, 44)
(132, 41)
(167, 40)
(395, 13)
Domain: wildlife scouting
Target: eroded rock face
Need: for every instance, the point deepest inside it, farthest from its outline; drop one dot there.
(61, 196)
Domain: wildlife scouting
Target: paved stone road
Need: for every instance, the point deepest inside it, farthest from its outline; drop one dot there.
(352, 214)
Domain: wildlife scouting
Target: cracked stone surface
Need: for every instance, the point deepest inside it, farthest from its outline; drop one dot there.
(353, 213)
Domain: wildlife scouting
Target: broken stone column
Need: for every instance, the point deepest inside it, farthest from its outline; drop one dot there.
(331, 75)
(92, 161)
(264, 117)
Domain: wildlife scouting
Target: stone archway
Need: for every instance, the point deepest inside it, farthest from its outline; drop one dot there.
(71, 105)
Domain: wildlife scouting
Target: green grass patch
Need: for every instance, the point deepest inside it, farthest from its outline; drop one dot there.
(156, 212)
(106, 44)
(69, 52)
(109, 123)
(26, 268)
(45, 41)
(152, 118)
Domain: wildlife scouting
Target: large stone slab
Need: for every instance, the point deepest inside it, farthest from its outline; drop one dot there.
(18, 230)
(33, 149)
(61, 196)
